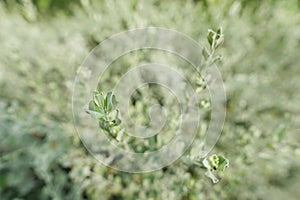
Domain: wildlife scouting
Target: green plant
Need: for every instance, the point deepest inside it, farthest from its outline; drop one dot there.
(260, 72)
(104, 108)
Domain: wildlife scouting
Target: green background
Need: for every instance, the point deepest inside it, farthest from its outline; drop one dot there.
(42, 42)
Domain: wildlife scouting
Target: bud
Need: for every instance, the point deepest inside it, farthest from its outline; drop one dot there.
(215, 39)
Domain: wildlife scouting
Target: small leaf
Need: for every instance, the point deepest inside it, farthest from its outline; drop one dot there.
(110, 102)
(209, 169)
(210, 36)
(98, 99)
(93, 107)
(213, 163)
(94, 114)
(223, 163)
(210, 175)
(117, 120)
(219, 41)
(220, 31)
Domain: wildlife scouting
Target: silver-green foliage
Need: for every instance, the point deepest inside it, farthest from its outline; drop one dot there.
(39, 54)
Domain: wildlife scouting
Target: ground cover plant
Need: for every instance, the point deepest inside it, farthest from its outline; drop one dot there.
(43, 42)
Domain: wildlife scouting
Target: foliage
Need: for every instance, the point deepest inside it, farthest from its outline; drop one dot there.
(41, 155)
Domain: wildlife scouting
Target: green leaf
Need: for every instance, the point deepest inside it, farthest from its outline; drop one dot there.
(94, 114)
(117, 120)
(215, 39)
(214, 163)
(223, 163)
(98, 99)
(210, 36)
(220, 31)
(110, 101)
(219, 41)
(93, 106)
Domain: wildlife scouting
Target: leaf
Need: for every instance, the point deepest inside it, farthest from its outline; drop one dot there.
(220, 31)
(213, 163)
(94, 114)
(94, 110)
(223, 163)
(215, 39)
(93, 107)
(117, 120)
(219, 41)
(210, 175)
(98, 99)
(210, 36)
(110, 102)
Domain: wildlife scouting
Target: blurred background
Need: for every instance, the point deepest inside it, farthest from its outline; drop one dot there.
(42, 43)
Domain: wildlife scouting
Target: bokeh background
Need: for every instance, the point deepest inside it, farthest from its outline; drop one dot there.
(42, 43)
